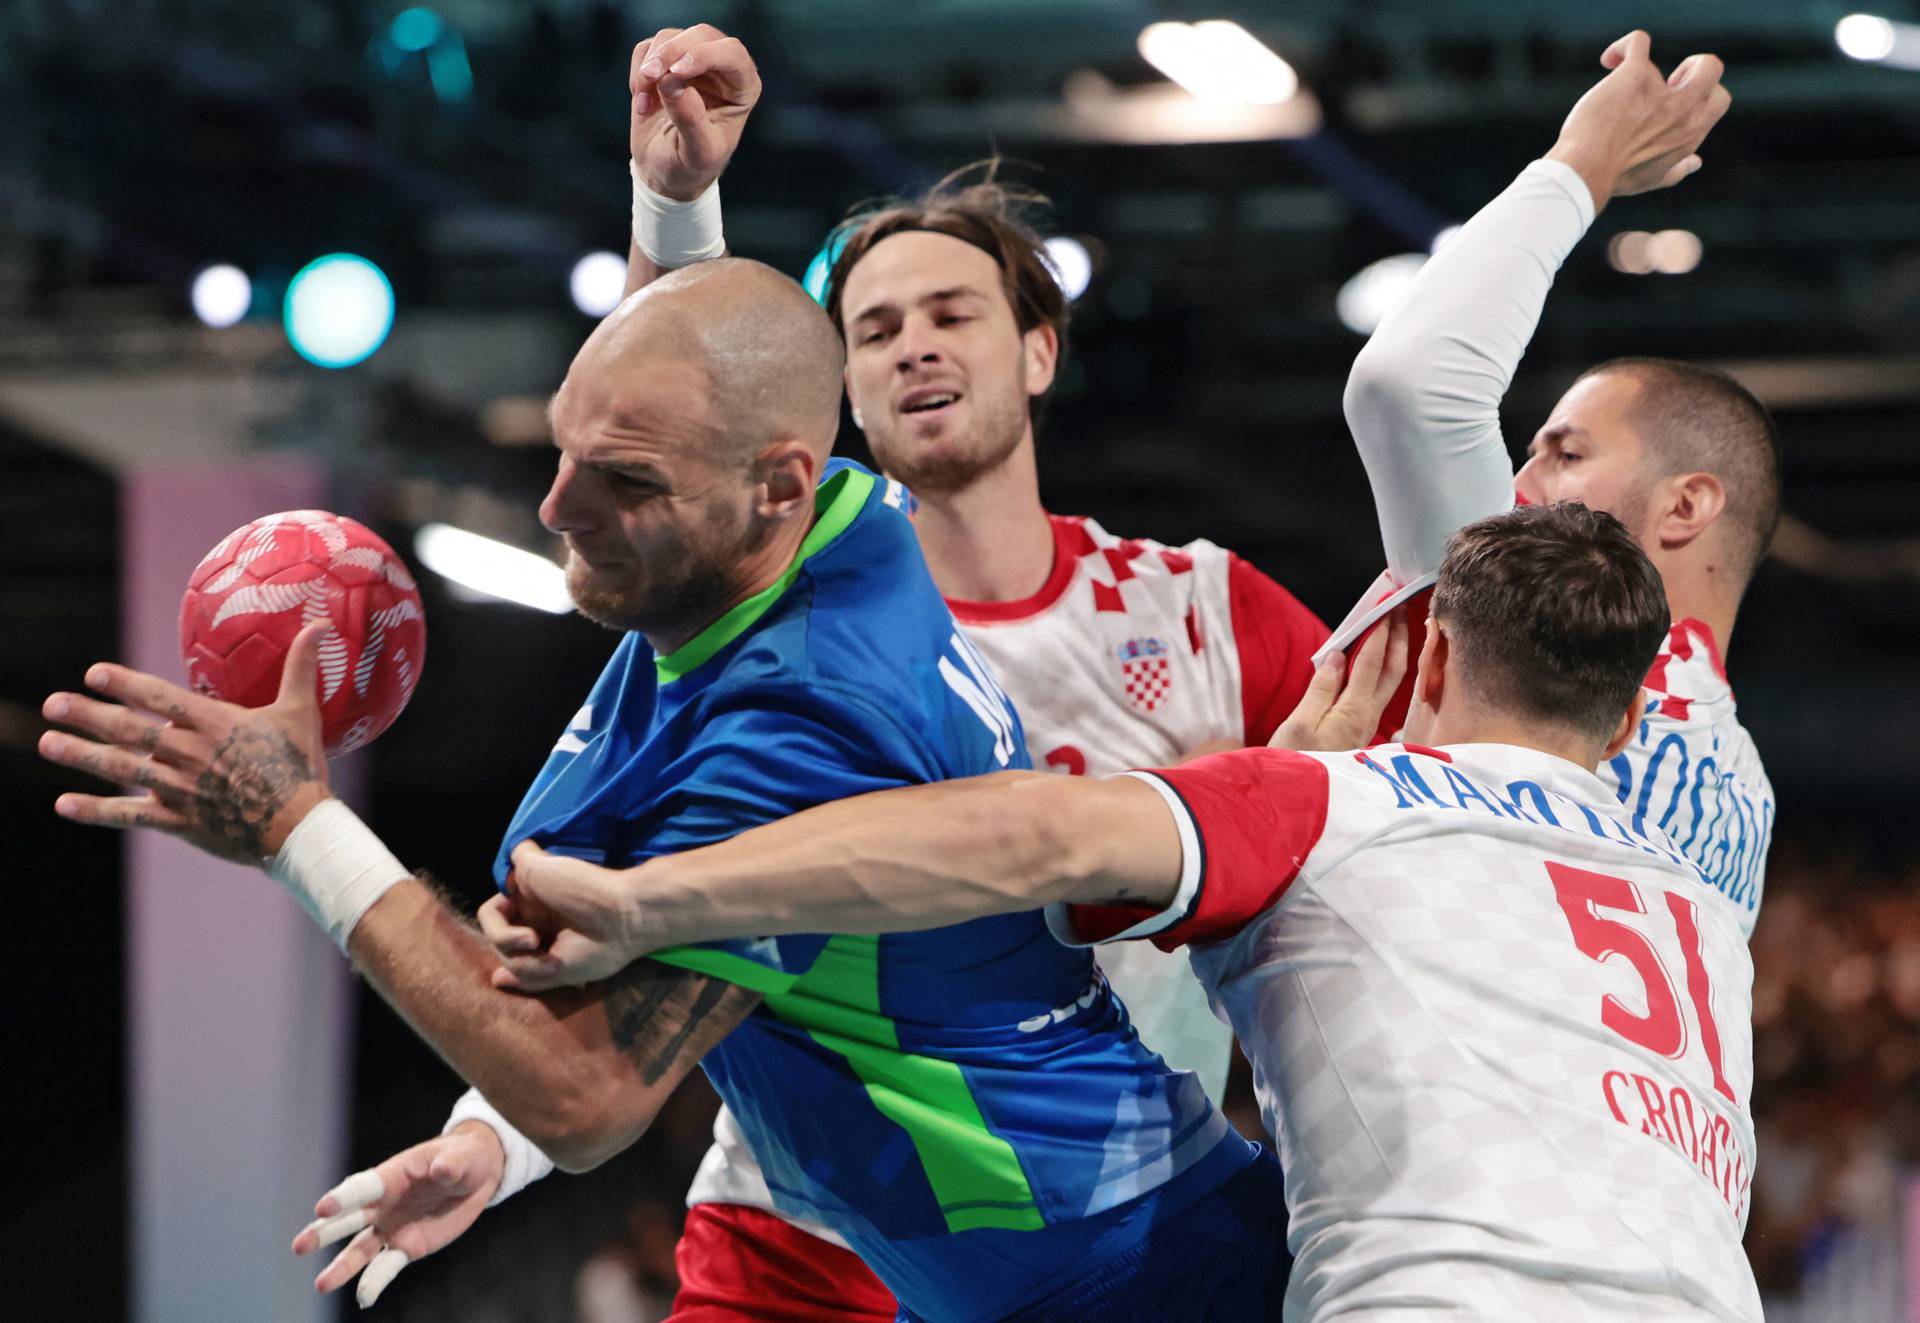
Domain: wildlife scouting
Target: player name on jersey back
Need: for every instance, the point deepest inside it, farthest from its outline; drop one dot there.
(1502, 1038)
(1692, 771)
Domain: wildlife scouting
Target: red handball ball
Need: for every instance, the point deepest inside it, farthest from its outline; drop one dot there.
(254, 592)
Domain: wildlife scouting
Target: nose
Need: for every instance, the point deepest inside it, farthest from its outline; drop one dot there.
(916, 345)
(1526, 483)
(563, 510)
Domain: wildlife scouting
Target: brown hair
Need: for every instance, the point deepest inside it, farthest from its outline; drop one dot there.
(1698, 419)
(1553, 611)
(972, 204)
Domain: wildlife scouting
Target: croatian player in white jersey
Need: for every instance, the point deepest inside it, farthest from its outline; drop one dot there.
(1117, 652)
(1500, 1034)
(1683, 455)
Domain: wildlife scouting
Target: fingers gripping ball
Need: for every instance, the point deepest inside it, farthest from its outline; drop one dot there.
(255, 590)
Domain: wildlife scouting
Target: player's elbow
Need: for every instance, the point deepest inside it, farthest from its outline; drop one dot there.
(1382, 396)
(585, 1116)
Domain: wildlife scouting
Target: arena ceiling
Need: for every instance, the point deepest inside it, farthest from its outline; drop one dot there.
(141, 141)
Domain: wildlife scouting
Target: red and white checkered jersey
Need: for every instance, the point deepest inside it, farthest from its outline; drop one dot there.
(1134, 654)
(1691, 769)
(1502, 1040)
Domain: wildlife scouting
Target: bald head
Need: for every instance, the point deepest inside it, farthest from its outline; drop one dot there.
(768, 355)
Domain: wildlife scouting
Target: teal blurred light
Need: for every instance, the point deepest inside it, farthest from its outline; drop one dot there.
(415, 29)
(339, 310)
(821, 267)
(449, 71)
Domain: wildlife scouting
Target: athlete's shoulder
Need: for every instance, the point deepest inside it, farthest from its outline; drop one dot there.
(1127, 557)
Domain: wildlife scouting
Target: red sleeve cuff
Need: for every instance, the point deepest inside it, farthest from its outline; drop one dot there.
(1248, 820)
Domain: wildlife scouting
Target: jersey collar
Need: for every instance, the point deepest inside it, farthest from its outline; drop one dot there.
(1070, 543)
(835, 503)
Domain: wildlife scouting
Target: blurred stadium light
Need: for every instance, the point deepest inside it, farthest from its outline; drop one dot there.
(1666, 253)
(339, 310)
(1878, 40)
(415, 29)
(1376, 290)
(1072, 265)
(492, 568)
(597, 281)
(1218, 60)
(221, 295)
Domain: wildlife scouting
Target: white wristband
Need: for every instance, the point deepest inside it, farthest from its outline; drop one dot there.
(525, 1162)
(335, 867)
(672, 233)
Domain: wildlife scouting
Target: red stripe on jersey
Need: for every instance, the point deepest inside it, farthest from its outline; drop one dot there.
(1276, 638)
(1177, 561)
(1441, 754)
(1107, 598)
(1676, 708)
(1117, 561)
(1258, 814)
(1194, 637)
(1689, 630)
(1071, 536)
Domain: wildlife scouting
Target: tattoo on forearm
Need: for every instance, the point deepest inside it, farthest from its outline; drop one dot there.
(654, 1012)
(251, 776)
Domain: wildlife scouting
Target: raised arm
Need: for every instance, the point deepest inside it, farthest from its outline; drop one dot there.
(582, 1073)
(1423, 399)
(692, 90)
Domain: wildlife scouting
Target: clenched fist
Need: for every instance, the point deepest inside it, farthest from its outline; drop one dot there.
(693, 89)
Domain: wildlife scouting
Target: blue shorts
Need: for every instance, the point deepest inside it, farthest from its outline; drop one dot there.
(1224, 1256)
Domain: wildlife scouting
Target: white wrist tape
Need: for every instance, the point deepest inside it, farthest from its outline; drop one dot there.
(335, 867)
(672, 233)
(525, 1163)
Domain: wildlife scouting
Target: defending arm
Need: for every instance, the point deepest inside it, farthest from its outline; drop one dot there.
(1423, 400)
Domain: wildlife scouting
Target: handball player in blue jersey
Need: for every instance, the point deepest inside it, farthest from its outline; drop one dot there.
(968, 1108)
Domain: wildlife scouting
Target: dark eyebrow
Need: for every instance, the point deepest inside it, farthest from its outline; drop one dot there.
(876, 311)
(956, 292)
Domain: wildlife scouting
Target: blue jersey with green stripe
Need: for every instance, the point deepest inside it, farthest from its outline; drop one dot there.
(963, 1105)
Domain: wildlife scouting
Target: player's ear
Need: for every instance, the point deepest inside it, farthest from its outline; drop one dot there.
(1690, 503)
(1629, 722)
(786, 473)
(1430, 679)
(1041, 346)
(853, 401)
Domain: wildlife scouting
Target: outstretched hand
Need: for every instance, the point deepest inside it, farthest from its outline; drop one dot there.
(232, 780)
(417, 1201)
(561, 922)
(1637, 130)
(1343, 705)
(693, 89)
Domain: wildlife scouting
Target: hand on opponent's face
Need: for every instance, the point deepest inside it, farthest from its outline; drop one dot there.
(232, 780)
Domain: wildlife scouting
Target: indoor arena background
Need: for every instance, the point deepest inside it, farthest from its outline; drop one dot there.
(186, 1068)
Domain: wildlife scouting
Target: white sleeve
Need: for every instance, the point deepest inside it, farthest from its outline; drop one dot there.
(525, 1163)
(1423, 399)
